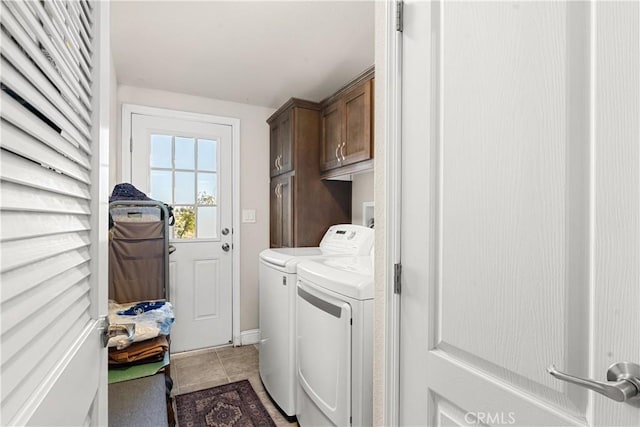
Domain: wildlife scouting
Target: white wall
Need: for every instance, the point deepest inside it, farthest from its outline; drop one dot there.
(361, 191)
(254, 175)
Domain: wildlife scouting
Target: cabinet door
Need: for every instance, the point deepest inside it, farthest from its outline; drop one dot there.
(275, 215)
(285, 141)
(286, 201)
(281, 212)
(331, 136)
(356, 125)
(274, 148)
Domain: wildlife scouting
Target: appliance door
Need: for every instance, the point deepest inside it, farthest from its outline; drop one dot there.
(323, 353)
(277, 333)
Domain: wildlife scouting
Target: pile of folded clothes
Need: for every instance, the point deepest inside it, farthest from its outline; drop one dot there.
(148, 324)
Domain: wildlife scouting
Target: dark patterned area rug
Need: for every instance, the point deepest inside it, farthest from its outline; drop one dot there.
(228, 405)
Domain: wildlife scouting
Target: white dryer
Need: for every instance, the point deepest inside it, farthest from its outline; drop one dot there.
(334, 324)
(277, 287)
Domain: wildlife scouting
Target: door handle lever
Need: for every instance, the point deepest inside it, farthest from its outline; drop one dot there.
(623, 381)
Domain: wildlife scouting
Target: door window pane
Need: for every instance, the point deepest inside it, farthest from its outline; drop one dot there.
(184, 175)
(161, 151)
(185, 225)
(161, 186)
(207, 189)
(207, 155)
(207, 222)
(185, 188)
(185, 153)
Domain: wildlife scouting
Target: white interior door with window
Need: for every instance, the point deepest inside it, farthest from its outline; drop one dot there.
(188, 164)
(520, 212)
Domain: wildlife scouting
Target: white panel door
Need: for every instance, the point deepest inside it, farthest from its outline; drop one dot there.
(520, 210)
(187, 164)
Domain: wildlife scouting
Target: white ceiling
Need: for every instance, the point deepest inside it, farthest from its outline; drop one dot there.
(253, 52)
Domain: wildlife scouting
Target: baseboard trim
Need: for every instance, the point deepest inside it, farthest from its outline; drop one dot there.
(251, 336)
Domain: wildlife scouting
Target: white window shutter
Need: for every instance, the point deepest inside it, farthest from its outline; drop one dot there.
(45, 190)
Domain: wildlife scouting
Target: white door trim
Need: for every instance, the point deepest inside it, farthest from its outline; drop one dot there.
(102, 120)
(392, 141)
(127, 110)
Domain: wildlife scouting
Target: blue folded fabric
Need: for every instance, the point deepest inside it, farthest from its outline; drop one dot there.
(141, 307)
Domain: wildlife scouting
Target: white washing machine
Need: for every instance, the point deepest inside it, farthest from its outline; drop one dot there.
(277, 285)
(334, 322)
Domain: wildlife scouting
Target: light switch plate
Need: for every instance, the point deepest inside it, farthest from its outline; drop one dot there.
(248, 215)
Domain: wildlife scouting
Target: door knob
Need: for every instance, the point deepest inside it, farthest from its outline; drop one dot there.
(623, 381)
(225, 247)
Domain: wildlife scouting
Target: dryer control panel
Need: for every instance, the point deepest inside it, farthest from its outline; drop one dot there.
(348, 239)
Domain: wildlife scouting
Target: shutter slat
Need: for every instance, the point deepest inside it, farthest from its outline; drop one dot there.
(17, 311)
(15, 55)
(18, 253)
(61, 46)
(27, 225)
(62, 34)
(42, 368)
(22, 118)
(15, 140)
(62, 20)
(86, 56)
(21, 171)
(86, 40)
(70, 42)
(87, 9)
(20, 9)
(30, 47)
(27, 368)
(24, 199)
(16, 82)
(83, 17)
(20, 280)
(13, 401)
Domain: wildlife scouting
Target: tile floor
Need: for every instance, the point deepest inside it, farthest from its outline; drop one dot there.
(197, 370)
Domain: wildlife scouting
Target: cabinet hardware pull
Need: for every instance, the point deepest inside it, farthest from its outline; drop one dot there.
(337, 156)
(342, 150)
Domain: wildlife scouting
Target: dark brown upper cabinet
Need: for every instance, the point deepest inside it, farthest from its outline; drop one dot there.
(302, 206)
(347, 128)
(281, 141)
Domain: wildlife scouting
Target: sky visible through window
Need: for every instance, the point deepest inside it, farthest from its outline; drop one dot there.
(184, 175)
